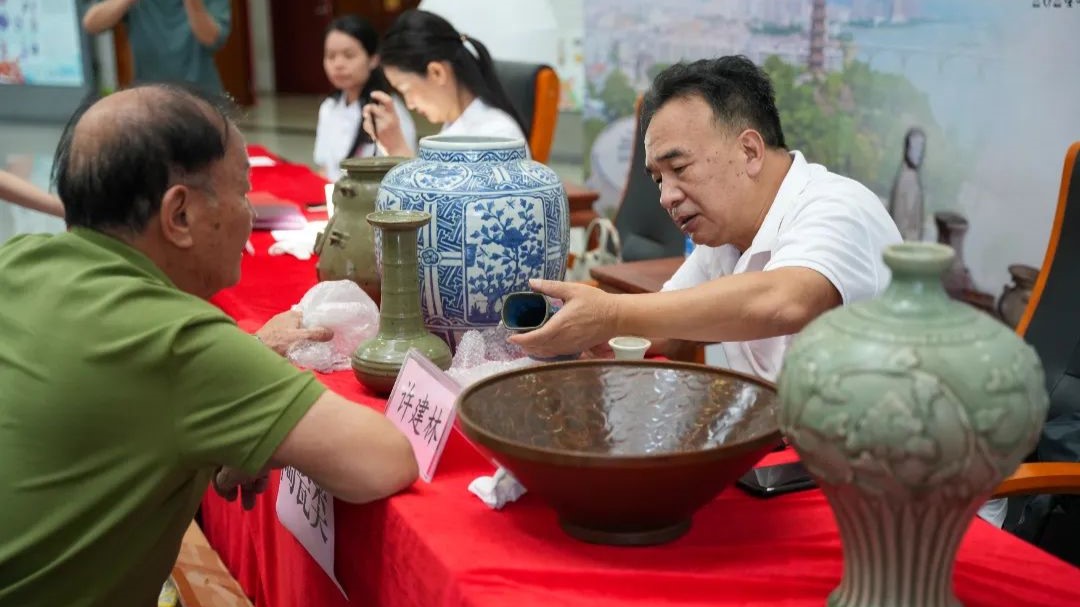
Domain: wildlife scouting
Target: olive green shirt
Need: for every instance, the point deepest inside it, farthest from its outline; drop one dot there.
(119, 396)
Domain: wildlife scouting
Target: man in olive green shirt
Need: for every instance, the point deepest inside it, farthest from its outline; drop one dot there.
(171, 40)
(122, 389)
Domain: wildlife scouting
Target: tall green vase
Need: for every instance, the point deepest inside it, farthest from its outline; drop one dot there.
(908, 410)
(376, 362)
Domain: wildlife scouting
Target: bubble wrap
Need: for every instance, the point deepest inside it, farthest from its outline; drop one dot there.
(342, 307)
(484, 353)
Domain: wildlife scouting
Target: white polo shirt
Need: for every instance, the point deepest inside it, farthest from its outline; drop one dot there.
(818, 220)
(480, 119)
(336, 131)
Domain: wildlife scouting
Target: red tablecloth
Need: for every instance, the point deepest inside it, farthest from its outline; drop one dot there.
(437, 544)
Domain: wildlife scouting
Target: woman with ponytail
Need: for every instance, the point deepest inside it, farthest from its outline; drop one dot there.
(351, 61)
(444, 75)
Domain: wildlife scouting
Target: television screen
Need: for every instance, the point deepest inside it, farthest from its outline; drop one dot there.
(44, 63)
(40, 43)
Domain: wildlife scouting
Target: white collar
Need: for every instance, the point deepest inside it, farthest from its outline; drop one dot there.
(471, 111)
(794, 183)
(341, 103)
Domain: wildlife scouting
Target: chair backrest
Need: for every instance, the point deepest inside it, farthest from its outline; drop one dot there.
(1051, 322)
(646, 230)
(533, 89)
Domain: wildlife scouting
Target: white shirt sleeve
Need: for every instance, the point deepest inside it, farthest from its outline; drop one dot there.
(691, 273)
(702, 265)
(408, 127)
(841, 240)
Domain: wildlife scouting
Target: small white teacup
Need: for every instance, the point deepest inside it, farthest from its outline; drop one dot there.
(628, 347)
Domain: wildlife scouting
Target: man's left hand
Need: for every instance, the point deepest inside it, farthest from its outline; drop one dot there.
(588, 317)
(228, 481)
(283, 330)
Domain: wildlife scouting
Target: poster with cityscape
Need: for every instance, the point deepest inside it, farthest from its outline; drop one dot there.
(852, 77)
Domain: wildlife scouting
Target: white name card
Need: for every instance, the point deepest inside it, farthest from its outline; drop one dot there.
(307, 511)
(422, 406)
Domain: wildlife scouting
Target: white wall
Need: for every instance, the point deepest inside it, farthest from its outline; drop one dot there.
(513, 30)
(1011, 195)
(535, 31)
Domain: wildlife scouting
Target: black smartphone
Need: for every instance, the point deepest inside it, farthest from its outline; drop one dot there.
(770, 481)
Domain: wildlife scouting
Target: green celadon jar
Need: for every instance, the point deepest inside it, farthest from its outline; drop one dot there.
(346, 248)
(908, 410)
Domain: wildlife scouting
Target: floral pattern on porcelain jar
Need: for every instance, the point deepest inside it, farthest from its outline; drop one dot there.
(498, 219)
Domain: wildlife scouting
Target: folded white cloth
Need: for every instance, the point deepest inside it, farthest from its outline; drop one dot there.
(298, 243)
(498, 490)
(261, 161)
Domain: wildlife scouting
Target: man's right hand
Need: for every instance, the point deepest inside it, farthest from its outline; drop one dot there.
(229, 481)
(284, 330)
(588, 318)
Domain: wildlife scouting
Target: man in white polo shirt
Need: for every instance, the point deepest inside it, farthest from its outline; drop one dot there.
(780, 240)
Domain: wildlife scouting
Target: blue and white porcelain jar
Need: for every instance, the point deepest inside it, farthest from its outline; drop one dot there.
(498, 219)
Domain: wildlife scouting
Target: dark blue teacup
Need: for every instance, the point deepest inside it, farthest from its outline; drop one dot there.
(526, 311)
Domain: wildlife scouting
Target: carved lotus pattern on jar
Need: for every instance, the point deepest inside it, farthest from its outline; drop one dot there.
(909, 410)
(916, 434)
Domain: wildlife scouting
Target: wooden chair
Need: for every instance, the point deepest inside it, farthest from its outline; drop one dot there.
(1051, 324)
(201, 579)
(534, 91)
(646, 230)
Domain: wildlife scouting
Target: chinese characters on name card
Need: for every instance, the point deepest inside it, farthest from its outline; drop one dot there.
(308, 513)
(422, 406)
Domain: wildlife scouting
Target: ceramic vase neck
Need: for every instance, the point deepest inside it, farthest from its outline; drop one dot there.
(471, 149)
(917, 270)
(399, 315)
(370, 167)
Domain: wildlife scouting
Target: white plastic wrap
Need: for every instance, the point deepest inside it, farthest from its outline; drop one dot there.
(484, 353)
(342, 307)
(481, 354)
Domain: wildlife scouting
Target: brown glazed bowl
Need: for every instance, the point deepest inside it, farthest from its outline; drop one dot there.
(624, 451)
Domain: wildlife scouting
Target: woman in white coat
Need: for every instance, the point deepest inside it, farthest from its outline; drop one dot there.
(444, 75)
(351, 61)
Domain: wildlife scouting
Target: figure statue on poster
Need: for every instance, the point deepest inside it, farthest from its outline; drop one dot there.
(906, 199)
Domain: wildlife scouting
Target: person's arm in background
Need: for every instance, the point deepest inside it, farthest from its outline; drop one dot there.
(105, 15)
(210, 24)
(23, 193)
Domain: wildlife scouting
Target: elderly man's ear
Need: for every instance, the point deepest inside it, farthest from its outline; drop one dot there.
(176, 215)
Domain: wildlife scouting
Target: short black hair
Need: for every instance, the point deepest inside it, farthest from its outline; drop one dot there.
(739, 92)
(117, 180)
